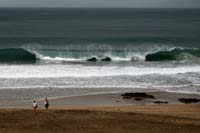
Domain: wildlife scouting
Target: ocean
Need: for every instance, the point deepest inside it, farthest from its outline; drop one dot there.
(100, 50)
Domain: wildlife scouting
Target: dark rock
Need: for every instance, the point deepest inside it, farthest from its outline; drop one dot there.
(138, 99)
(189, 100)
(136, 95)
(161, 102)
(92, 59)
(106, 59)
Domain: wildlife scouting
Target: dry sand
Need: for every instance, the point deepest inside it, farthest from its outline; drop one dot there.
(118, 119)
(103, 113)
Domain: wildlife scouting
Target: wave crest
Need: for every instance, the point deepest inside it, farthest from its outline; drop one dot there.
(16, 55)
(27, 55)
(174, 54)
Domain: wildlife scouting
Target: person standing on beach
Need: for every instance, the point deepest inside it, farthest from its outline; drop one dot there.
(34, 105)
(46, 104)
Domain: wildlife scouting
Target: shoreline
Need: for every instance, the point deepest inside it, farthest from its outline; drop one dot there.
(108, 112)
(102, 99)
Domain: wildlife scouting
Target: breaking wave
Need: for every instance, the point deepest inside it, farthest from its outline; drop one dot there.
(174, 54)
(29, 55)
(17, 55)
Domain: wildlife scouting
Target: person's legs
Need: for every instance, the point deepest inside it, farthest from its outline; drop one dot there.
(46, 106)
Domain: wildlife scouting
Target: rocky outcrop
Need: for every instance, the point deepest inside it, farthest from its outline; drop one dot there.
(108, 59)
(161, 102)
(189, 100)
(92, 59)
(136, 96)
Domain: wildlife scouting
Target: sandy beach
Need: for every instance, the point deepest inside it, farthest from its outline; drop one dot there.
(108, 112)
(118, 119)
(59, 98)
(102, 66)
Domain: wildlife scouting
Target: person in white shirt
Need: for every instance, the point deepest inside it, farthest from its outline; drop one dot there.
(34, 105)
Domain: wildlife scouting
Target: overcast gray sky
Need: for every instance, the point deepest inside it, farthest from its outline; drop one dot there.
(102, 3)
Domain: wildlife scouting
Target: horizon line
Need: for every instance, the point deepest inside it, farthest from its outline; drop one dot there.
(106, 7)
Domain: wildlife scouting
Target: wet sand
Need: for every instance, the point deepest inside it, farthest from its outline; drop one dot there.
(12, 100)
(103, 113)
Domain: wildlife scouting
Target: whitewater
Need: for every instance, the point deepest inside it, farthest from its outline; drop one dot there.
(83, 51)
(90, 70)
(172, 69)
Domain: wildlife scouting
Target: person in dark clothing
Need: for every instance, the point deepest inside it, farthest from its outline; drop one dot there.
(46, 104)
